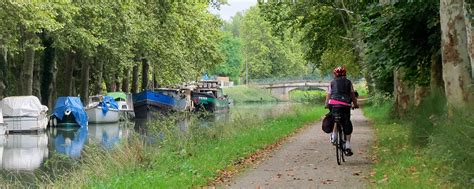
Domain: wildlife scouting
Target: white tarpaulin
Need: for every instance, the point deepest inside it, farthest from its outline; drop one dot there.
(22, 106)
(1, 117)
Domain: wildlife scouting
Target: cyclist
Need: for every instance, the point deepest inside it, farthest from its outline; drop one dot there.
(338, 99)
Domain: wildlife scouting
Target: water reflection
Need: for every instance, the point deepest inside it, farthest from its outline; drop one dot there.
(24, 152)
(107, 135)
(69, 141)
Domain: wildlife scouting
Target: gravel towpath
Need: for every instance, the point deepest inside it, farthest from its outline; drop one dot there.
(307, 160)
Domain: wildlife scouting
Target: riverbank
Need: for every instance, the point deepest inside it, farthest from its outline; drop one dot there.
(249, 94)
(424, 150)
(183, 158)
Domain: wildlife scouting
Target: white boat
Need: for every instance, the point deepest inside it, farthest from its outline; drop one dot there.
(24, 151)
(3, 128)
(24, 113)
(125, 105)
(102, 109)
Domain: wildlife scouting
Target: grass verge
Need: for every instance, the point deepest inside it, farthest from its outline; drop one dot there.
(311, 96)
(185, 159)
(422, 150)
(246, 94)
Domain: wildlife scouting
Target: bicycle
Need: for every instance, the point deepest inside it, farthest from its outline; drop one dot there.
(340, 139)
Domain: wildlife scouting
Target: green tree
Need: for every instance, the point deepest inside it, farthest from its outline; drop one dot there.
(232, 65)
(267, 55)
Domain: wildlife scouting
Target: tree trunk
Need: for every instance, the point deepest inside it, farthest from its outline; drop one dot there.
(155, 82)
(37, 79)
(117, 82)
(420, 93)
(135, 79)
(436, 72)
(69, 77)
(126, 81)
(401, 92)
(109, 83)
(48, 74)
(98, 72)
(52, 87)
(469, 15)
(145, 70)
(27, 70)
(85, 80)
(455, 55)
(3, 72)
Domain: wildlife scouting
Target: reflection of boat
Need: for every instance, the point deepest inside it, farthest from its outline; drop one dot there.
(70, 141)
(125, 104)
(24, 113)
(102, 109)
(24, 151)
(207, 96)
(69, 111)
(107, 135)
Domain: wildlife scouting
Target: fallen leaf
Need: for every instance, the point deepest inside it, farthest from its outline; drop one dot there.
(382, 180)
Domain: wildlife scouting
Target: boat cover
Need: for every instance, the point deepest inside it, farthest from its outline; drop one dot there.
(118, 95)
(1, 117)
(17, 106)
(72, 104)
(108, 102)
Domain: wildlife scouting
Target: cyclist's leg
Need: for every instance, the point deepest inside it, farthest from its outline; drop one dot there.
(347, 129)
(333, 134)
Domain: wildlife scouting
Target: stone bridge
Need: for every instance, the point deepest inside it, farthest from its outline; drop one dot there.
(281, 89)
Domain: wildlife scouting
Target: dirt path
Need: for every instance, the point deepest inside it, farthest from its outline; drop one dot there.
(308, 160)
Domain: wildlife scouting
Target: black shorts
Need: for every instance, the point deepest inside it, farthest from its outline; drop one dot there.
(345, 112)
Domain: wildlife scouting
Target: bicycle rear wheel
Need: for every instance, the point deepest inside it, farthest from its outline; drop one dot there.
(339, 145)
(342, 141)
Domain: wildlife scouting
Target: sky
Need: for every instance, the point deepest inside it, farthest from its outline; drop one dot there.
(234, 6)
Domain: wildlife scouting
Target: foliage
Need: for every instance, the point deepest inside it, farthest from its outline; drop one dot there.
(181, 40)
(401, 35)
(246, 94)
(326, 27)
(265, 54)
(232, 66)
(311, 96)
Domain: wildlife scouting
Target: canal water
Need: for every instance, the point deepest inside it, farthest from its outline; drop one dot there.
(27, 152)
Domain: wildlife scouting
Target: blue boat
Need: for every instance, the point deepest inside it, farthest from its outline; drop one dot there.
(69, 111)
(148, 102)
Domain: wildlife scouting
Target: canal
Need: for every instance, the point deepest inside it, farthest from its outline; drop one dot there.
(25, 154)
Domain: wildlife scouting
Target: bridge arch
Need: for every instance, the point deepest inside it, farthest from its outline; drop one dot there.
(281, 90)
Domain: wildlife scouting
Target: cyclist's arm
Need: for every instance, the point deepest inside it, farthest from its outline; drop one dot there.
(328, 95)
(353, 97)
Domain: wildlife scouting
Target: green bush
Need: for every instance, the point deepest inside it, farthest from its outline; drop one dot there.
(312, 96)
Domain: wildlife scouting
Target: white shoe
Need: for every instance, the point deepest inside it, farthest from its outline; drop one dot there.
(333, 138)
